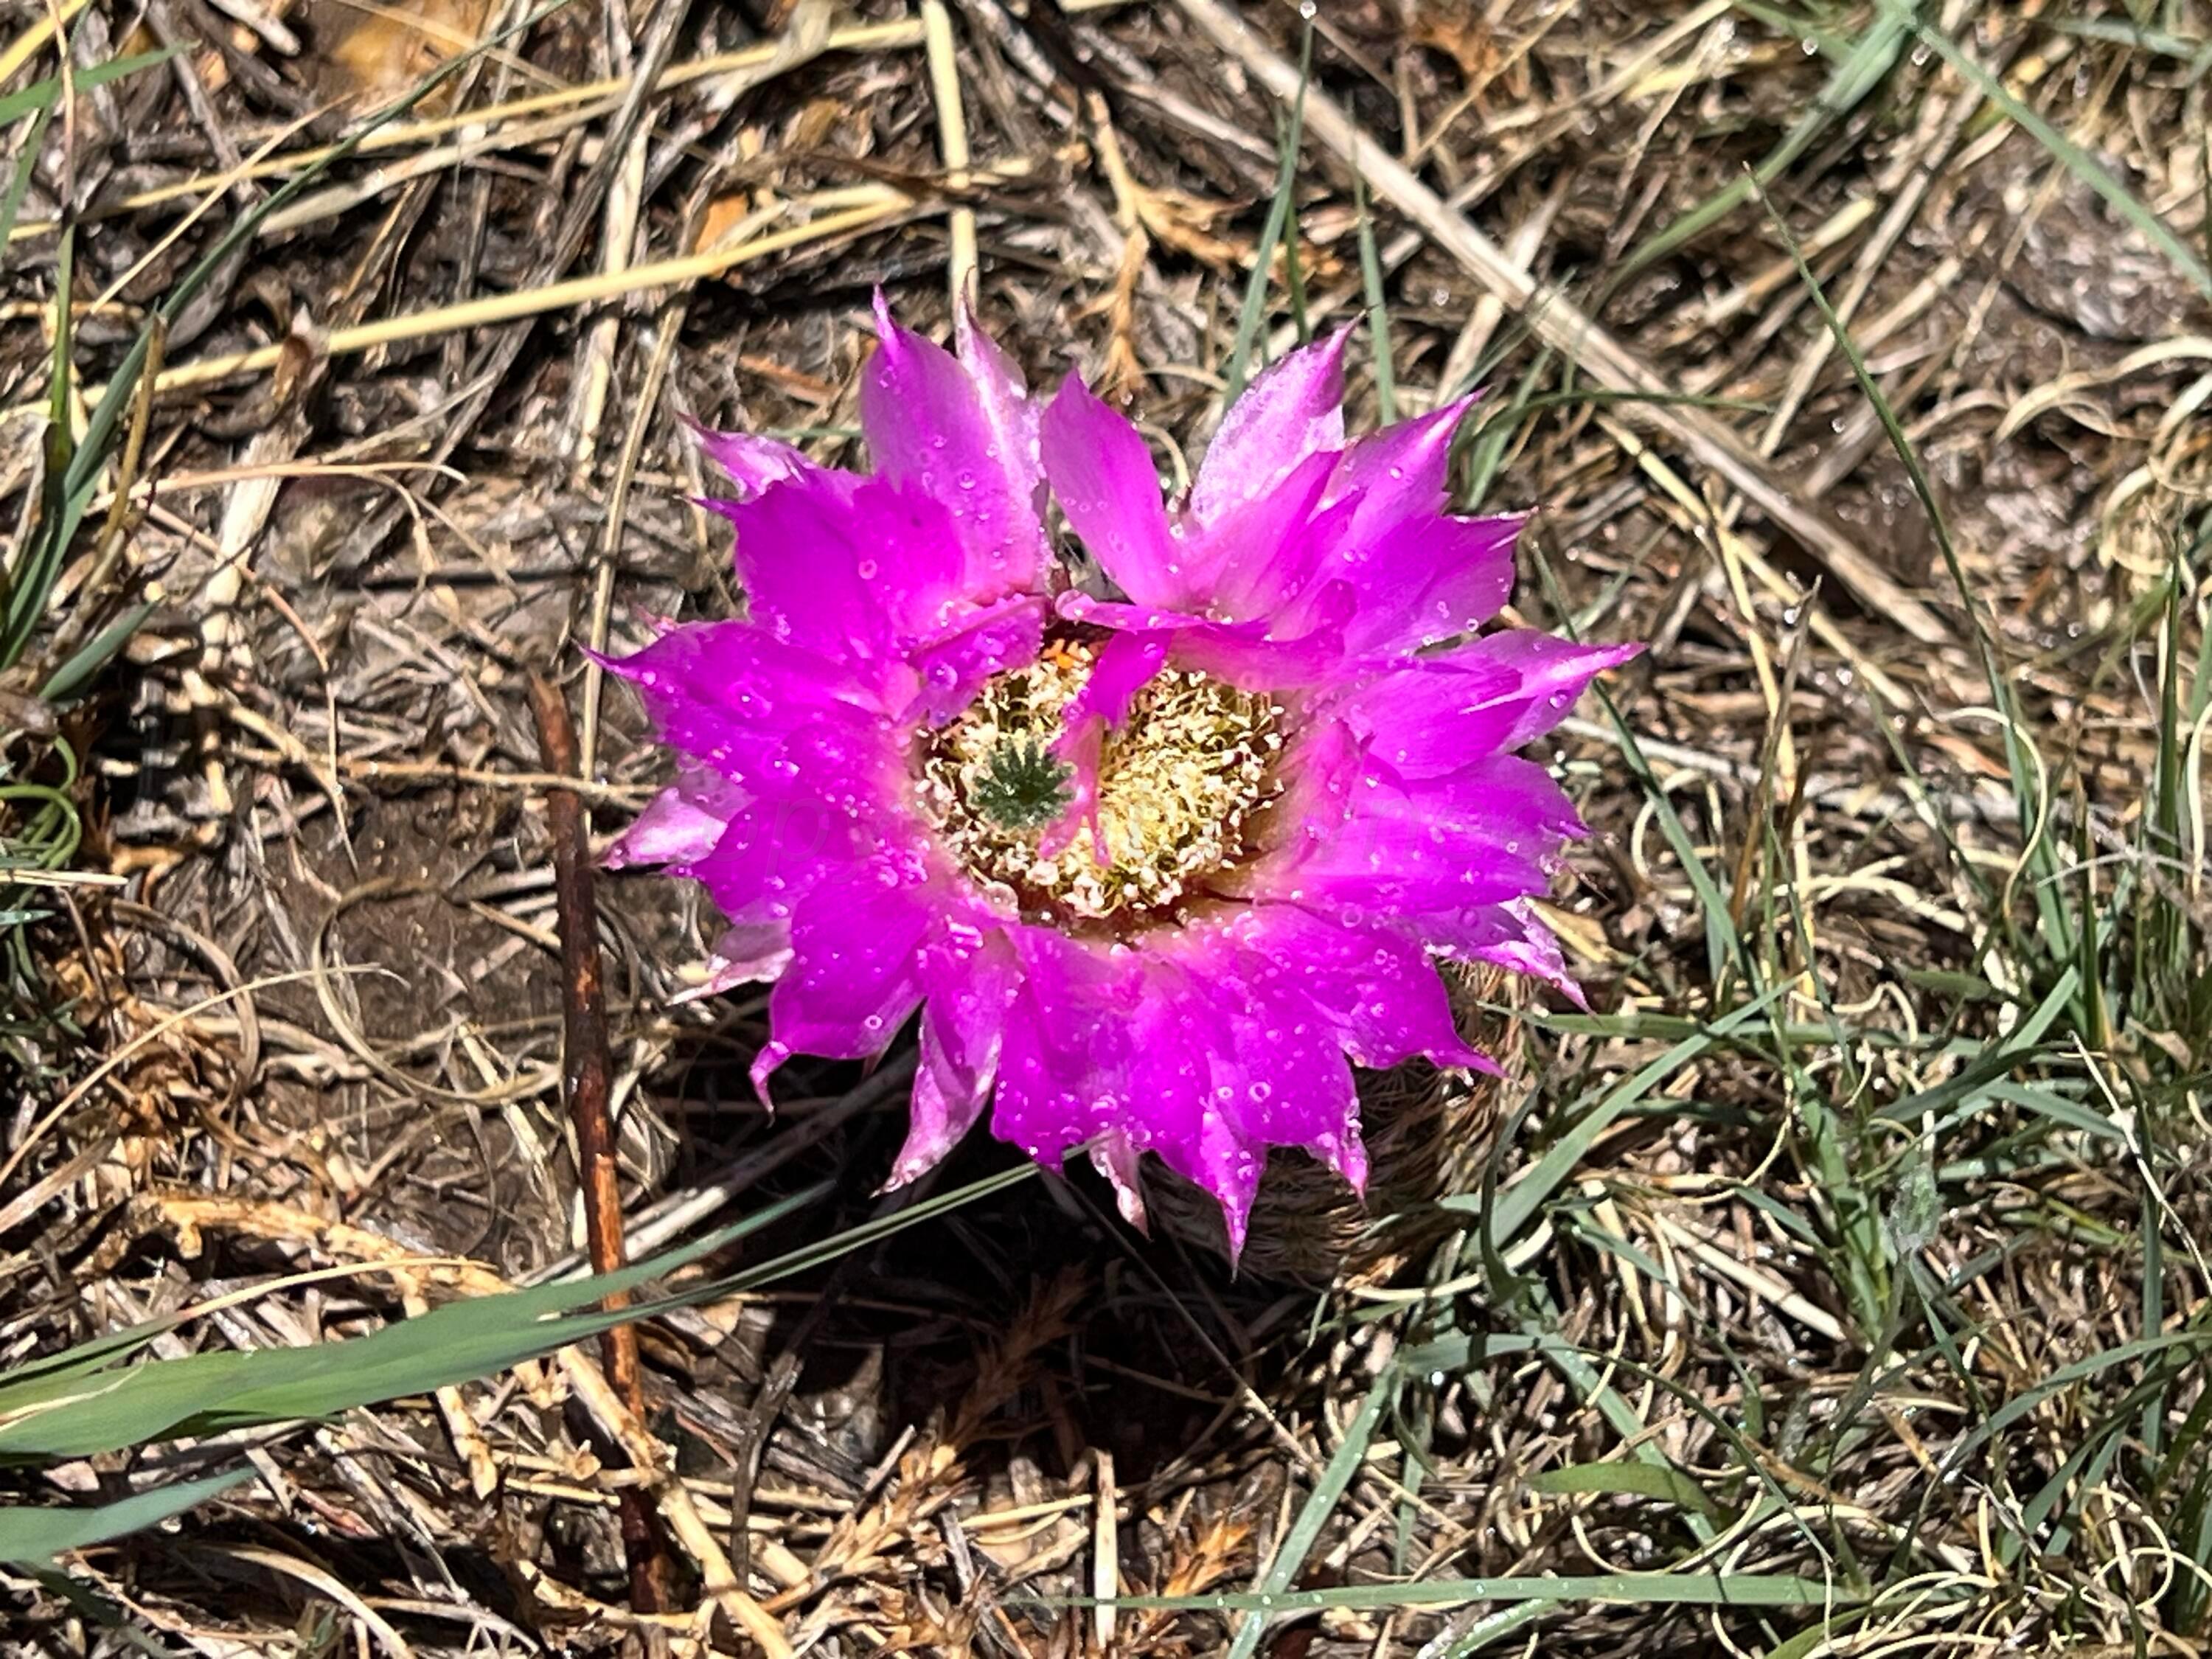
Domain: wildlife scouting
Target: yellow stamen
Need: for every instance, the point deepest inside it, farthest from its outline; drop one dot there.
(1178, 782)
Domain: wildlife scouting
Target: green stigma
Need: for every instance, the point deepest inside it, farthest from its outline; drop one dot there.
(1022, 786)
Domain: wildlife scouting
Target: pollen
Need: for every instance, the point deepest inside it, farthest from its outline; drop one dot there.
(1179, 782)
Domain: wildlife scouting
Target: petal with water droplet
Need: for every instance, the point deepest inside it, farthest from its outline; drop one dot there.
(1293, 410)
(950, 428)
(1104, 478)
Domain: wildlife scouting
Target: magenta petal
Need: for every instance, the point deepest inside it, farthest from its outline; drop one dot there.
(1502, 691)
(951, 670)
(1320, 772)
(971, 977)
(775, 853)
(1426, 579)
(1125, 667)
(1278, 1078)
(1012, 417)
(1383, 489)
(860, 772)
(1099, 1043)
(766, 1064)
(742, 956)
(1292, 410)
(972, 972)
(937, 1118)
(1554, 673)
(1382, 996)
(731, 694)
(1249, 556)
(1286, 583)
(1079, 749)
(680, 825)
(930, 425)
(1435, 715)
(753, 463)
(1296, 1093)
(1284, 1079)
(1244, 653)
(1239, 654)
(855, 966)
(1007, 405)
(1483, 836)
(1076, 606)
(1171, 1075)
(1505, 796)
(1114, 1156)
(772, 855)
(1399, 472)
(1237, 1215)
(858, 574)
(1513, 936)
(1103, 477)
(1062, 1068)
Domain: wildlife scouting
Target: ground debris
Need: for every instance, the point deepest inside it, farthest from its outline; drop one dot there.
(1833, 1298)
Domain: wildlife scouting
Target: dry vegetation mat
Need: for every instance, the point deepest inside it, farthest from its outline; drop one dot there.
(1838, 1282)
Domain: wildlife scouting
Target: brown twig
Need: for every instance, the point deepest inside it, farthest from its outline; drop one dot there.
(584, 1083)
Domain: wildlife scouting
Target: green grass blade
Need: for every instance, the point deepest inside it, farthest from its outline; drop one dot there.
(1864, 67)
(1968, 1090)
(11, 205)
(76, 1412)
(32, 578)
(1271, 231)
(1487, 1632)
(1485, 453)
(1726, 1589)
(1666, 1484)
(30, 1536)
(45, 93)
(72, 1411)
(84, 1359)
(2122, 32)
(1378, 305)
(1518, 1204)
(1813, 1639)
(1797, 25)
(2192, 1536)
(1305, 1531)
(2033, 1399)
(85, 663)
(2026, 773)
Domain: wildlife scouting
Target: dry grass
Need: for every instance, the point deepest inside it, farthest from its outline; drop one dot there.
(1856, 1240)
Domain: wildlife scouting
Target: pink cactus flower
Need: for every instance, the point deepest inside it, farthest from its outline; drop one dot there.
(1160, 825)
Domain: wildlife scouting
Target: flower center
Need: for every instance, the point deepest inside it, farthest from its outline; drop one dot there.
(1178, 782)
